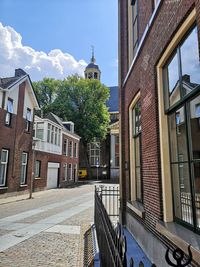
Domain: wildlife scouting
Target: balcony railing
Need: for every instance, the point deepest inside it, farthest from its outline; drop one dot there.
(47, 147)
(111, 239)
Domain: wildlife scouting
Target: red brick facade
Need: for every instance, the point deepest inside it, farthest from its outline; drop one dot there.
(16, 140)
(40, 183)
(142, 78)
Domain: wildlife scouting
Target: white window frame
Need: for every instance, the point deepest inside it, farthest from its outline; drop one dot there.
(4, 164)
(67, 142)
(65, 172)
(71, 149)
(37, 170)
(24, 165)
(28, 119)
(75, 150)
(70, 173)
(10, 110)
(96, 157)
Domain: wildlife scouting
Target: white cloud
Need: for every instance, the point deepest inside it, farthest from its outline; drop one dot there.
(37, 64)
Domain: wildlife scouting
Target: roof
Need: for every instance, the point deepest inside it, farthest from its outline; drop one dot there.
(113, 101)
(6, 82)
(92, 66)
(9, 83)
(53, 117)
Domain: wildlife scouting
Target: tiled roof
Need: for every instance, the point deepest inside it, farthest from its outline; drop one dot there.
(113, 101)
(6, 82)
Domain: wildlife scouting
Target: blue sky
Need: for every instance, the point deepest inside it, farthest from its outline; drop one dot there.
(71, 26)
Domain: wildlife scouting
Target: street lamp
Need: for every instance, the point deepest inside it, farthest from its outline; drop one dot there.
(33, 167)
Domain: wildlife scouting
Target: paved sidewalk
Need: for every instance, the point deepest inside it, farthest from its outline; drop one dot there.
(47, 230)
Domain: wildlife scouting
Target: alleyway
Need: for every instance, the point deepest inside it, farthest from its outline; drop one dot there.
(46, 230)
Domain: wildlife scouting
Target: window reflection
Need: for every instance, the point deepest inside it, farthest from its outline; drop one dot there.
(190, 62)
(182, 73)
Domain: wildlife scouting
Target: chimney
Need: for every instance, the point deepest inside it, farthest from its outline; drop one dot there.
(20, 73)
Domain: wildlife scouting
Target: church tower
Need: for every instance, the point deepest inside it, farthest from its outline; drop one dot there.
(92, 70)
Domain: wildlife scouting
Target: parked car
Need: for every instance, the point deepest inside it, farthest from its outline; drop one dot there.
(82, 174)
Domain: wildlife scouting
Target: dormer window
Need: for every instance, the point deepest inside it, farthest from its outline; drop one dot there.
(28, 119)
(9, 112)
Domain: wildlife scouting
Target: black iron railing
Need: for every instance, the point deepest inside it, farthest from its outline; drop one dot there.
(111, 239)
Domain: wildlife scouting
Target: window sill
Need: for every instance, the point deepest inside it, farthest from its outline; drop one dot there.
(136, 207)
(37, 178)
(181, 237)
(23, 185)
(3, 188)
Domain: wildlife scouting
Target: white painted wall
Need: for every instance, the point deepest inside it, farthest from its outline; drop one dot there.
(14, 95)
(28, 102)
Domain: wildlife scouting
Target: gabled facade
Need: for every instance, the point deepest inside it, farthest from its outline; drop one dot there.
(17, 105)
(159, 78)
(56, 152)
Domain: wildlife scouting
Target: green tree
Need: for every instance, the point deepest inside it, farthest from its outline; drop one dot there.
(46, 92)
(83, 101)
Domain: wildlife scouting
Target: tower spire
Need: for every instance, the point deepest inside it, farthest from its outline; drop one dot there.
(93, 60)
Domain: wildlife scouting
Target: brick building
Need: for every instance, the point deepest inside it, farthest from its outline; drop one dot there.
(17, 104)
(159, 77)
(56, 152)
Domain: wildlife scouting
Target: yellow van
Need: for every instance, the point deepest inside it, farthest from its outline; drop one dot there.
(82, 173)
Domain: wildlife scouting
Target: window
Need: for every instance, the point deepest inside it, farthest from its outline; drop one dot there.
(23, 168)
(59, 135)
(28, 119)
(75, 172)
(9, 112)
(3, 166)
(134, 4)
(182, 98)
(49, 133)
(94, 153)
(95, 75)
(37, 168)
(52, 134)
(70, 149)
(65, 171)
(39, 130)
(70, 171)
(181, 73)
(137, 147)
(75, 150)
(65, 147)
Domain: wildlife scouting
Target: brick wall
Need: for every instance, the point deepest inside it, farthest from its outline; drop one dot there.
(16, 140)
(143, 78)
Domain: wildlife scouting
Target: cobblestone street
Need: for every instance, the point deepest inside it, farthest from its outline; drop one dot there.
(46, 230)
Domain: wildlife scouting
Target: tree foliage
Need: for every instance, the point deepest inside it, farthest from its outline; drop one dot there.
(82, 101)
(46, 92)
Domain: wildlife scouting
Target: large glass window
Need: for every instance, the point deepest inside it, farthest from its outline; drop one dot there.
(94, 153)
(23, 168)
(3, 166)
(137, 146)
(181, 73)
(182, 98)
